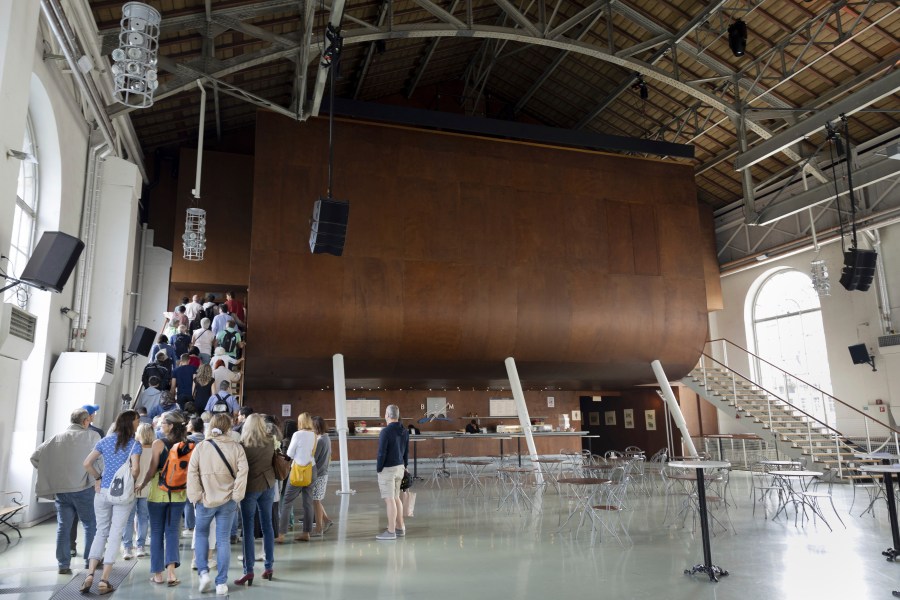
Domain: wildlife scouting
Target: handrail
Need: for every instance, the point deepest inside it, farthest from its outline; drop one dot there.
(853, 408)
(774, 395)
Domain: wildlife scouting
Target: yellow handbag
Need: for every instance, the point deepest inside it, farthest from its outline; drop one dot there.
(301, 475)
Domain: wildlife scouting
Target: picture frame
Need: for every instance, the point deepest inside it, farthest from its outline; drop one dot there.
(628, 418)
(610, 418)
(650, 419)
(594, 419)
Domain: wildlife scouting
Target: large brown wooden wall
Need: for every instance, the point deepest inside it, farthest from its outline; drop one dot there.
(463, 251)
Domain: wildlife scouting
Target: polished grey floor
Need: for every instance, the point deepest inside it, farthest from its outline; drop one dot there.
(458, 547)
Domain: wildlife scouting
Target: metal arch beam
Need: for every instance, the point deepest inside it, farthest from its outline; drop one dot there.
(870, 94)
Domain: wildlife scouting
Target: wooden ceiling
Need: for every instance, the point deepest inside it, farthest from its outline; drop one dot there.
(569, 64)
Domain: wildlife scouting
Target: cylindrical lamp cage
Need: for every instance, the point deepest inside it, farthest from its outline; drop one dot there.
(819, 274)
(134, 68)
(194, 238)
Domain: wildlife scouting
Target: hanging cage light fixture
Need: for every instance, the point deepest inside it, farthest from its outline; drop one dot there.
(819, 275)
(134, 67)
(194, 238)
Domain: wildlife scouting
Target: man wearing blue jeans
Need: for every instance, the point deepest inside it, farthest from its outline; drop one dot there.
(62, 477)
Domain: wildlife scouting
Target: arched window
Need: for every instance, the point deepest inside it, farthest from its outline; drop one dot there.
(25, 218)
(788, 332)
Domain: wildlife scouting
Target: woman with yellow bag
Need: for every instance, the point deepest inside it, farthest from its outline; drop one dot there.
(303, 473)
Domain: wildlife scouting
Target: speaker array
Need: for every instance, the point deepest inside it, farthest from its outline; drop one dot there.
(329, 226)
(859, 269)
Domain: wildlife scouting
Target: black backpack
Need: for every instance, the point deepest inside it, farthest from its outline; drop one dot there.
(221, 405)
(194, 325)
(182, 343)
(229, 341)
(210, 312)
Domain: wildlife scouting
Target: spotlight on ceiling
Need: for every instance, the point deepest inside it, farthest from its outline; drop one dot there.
(737, 37)
(640, 86)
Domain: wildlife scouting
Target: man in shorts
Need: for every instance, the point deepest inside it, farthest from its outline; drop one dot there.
(393, 453)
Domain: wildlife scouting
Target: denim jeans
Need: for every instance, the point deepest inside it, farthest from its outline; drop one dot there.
(165, 522)
(224, 515)
(70, 508)
(236, 522)
(143, 521)
(252, 502)
(111, 520)
(189, 516)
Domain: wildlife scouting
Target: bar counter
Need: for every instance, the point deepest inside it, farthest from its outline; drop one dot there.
(363, 446)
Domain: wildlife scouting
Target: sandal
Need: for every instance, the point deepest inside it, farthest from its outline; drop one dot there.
(86, 585)
(155, 582)
(173, 582)
(105, 587)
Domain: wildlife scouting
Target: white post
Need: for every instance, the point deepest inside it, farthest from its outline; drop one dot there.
(672, 403)
(522, 410)
(340, 417)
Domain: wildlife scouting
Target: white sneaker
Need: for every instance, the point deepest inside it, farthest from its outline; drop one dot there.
(221, 590)
(127, 554)
(141, 552)
(187, 533)
(386, 535)
(206, 584)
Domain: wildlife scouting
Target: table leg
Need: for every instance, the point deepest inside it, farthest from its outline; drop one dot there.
(892, 553)
(707, 567)
(416, 461)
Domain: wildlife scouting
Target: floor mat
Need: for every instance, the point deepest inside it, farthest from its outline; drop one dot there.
(71, 591)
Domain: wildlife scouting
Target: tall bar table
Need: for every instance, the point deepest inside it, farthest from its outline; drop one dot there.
(888, 471)
(707, 567)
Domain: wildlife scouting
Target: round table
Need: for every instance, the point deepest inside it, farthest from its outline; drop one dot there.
(700, 465)
(474, 469)
(582, 487)
(888, 471)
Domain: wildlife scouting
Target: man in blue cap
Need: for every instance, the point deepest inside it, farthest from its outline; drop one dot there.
(92, 411)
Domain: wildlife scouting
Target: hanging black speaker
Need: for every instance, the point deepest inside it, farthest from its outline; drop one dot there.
(859, 269)
(737, 37)
(329, 226)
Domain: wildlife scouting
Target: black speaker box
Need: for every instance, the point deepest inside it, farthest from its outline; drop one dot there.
(142, 341)
(859, 353)
(859, 269)
(329, 226)
(52, 261)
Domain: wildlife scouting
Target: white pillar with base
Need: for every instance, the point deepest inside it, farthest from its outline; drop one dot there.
(340, 417)
(522, 410)
(672, 403)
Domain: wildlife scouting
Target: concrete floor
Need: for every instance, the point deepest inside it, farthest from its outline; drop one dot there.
(457, 547)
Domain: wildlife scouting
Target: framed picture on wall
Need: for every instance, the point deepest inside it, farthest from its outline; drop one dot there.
(610, 417)
(628, 418)
(650, 418)
(593, 419)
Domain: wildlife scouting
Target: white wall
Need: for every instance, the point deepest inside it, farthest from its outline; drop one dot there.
(849, 318)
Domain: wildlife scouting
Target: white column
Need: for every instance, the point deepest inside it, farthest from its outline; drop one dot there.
(522, 410)
(340, 417)
(669, 397)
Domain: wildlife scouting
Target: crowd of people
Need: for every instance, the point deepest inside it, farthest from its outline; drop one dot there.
(189, 452)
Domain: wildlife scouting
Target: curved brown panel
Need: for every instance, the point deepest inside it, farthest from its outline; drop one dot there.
(463, 251)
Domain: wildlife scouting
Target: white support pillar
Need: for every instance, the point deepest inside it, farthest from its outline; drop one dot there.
(669, 397)
(340, 417)
(522, 410)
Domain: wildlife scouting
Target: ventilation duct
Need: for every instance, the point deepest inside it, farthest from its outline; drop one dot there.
(17, 330)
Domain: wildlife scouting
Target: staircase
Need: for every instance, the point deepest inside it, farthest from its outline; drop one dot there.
(795, 433)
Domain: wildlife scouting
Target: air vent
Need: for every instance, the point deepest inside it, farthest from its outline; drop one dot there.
(889, 344)
(22, 324)
(110, 365)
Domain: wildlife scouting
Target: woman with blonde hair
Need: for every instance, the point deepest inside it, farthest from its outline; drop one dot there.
(217, 481)
(117, 449)
(203, 385)
(259, 448)
(145, 435)
(300, 450)
(165, 504)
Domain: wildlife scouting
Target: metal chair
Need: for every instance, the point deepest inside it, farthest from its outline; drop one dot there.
(761, 485)
(607, 507)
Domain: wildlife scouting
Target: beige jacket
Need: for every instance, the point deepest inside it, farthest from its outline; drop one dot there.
(209, 481)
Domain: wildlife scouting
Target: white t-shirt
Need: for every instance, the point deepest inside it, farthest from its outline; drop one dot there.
(203, 339)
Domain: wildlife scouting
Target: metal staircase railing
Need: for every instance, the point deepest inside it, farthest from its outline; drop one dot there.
(818, 437)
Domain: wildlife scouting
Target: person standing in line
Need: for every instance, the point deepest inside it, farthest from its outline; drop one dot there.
(166, 505)
(145, 435)
(393, 452)
(182, 387)
(217, 482)
(260, 449)
(58, 462)
(203, 339)
(323, 460)
(116, 449)
(300, 450)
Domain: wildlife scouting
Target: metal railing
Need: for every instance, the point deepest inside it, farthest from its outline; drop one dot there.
(877, 433)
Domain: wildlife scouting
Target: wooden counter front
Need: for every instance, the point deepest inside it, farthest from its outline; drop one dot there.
(365, 447)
